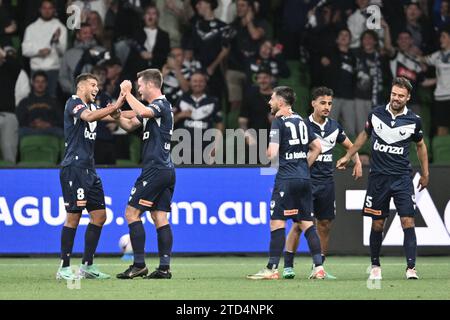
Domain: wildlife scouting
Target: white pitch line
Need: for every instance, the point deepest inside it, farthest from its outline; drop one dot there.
(209, 264)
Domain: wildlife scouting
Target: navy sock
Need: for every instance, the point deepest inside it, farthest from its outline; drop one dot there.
(277, 240)
(137, 237)
(410, 246)
(289, 259)
(90, 242)
(67, 240)
(376, 237)
(165, 241)
(314, 245)
(323, 258)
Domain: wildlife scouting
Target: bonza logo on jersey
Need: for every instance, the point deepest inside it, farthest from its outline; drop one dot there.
(90, 133)
(387, 149)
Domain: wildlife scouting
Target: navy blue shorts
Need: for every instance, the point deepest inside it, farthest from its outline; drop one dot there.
(380, 190)
(291, 199)
(323, 200)
(153, 190)
(81, 188)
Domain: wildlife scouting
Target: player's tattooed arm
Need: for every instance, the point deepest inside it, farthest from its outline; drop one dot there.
(422, 154)
(134, 103)
(315, 149)
(360, 141)
(357, 169)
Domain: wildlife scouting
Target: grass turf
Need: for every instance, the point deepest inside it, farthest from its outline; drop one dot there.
(223, 278)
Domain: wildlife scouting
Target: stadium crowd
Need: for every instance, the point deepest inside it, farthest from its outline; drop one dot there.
(229, 54)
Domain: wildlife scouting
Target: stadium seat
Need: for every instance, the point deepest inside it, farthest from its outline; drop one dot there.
(39, 150)
(135, 152)
(441, 150)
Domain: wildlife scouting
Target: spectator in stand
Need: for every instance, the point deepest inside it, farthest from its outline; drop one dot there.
(247, 33)
(325, 24)
(176, 74)
(81, 58)
(174, 15)
(39, 112)
(255, 111)
(151, 44)
(369, 78)
(441, 14)
(44, 43)
(198, 111)
(95, 21)
(339, 68)
(405, 62)
(210, 42)
(357, 23)
(419, 27)
(269, 57)
(8, 26)
(9, 74)
(441, 61)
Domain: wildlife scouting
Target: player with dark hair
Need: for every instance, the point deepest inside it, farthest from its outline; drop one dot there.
(392, 128)
(154, 188)
(329, 132)
(298, 147)
(81, 186)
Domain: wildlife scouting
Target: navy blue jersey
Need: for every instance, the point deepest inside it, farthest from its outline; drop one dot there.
(293, 135)
(79, 135)
(329, 134)
(157, 134)
(205, 111)
(390, 139)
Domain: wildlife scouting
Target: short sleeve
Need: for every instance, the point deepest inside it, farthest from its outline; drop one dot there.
(341, 135)
(156, 109)
(76, 107)
(418, 132)
(275, 131)
(368, 126)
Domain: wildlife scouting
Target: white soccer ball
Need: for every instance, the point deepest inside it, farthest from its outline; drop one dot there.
(125, 244)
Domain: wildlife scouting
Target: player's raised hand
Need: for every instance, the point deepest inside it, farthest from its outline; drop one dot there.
(126, 86)
(342, 162)
(423, 183)
(357, 170)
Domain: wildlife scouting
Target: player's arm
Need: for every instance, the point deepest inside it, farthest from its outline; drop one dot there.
(128, 124)
(422, 154)
(357, 169)
(134, 103)
(360, 141)
(315, 149)
(272, 150)
(92, 116)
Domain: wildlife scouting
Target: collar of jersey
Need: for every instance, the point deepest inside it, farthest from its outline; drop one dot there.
(160, 97)
(405, 111)
(321, 126)
(203, 96)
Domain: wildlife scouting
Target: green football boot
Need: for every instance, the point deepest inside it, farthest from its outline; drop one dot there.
(92, 272)
(288, 273)
(65, 273)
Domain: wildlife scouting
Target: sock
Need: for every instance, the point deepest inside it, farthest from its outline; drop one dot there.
(410, 246)
(277, 240)
(137, 237)
(376, 237)
(314, 245)
(289, 259)
(165, 241)
(67, 240)
(323, 258)
(90, 242)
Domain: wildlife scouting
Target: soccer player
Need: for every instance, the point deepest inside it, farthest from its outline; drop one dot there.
(154, 188)
(392, 128)
(329, 132)
(81, 186)
(291, 137)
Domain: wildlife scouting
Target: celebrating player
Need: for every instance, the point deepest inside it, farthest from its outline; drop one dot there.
(291, 198)
(81, 186)
(154, 188)
(329, 132)
(392, 128)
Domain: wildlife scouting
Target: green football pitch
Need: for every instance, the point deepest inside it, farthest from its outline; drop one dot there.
(223, 278)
